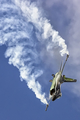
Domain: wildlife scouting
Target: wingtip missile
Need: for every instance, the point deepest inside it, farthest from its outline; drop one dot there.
(67, 57)
(47, 107)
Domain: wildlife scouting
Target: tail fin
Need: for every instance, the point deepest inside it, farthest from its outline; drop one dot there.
(74, 80)
(66, 79)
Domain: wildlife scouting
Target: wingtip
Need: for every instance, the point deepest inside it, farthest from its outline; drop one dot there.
(47, 107)
(67, 55)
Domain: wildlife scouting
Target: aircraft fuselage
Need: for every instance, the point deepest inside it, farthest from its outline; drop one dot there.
(56, 82)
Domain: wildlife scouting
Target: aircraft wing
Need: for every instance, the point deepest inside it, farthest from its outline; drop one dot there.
(69, 79)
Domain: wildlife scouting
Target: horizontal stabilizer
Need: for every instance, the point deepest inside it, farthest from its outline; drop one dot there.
(53, 75)
(50, 80)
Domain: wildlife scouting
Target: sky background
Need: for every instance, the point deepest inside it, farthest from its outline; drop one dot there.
(26, 63)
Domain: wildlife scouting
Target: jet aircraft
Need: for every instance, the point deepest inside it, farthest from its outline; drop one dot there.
(58, 79)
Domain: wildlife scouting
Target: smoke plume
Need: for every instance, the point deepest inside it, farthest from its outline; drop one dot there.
(24, 29)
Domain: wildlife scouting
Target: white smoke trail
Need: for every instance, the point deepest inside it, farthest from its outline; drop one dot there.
(34, 15)
(22, 35)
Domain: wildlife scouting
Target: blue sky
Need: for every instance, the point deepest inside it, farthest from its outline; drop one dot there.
(28, 57)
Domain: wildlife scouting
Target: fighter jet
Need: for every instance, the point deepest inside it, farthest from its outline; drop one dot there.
(58, 79)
